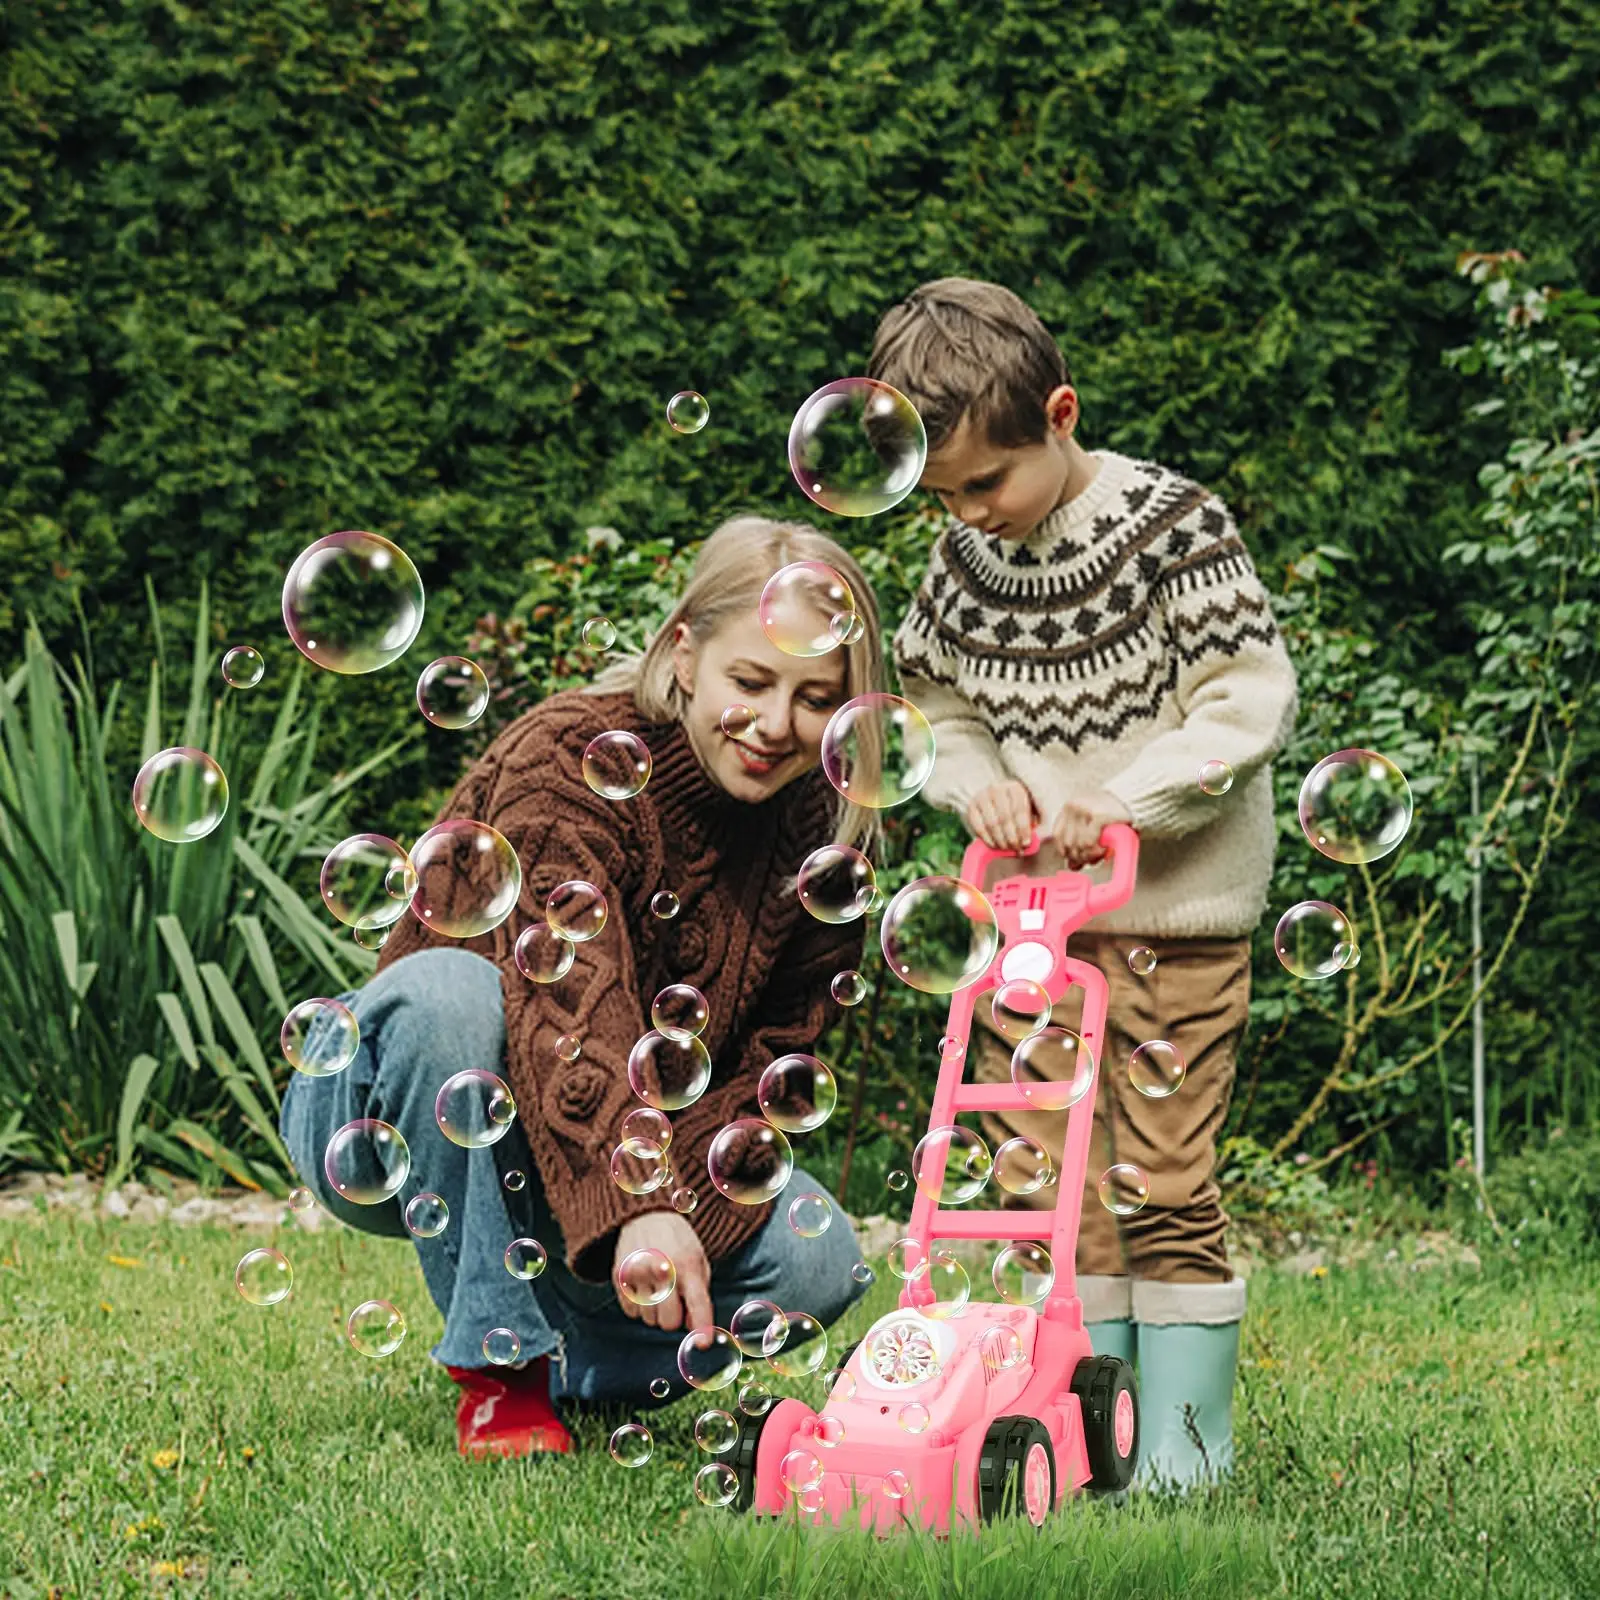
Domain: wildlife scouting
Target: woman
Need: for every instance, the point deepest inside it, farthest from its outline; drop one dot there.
(723, 825)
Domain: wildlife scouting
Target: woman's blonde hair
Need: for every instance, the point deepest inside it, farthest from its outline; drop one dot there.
(730, 571)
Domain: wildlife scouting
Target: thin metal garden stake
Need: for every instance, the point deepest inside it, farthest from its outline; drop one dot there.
(1477, 983)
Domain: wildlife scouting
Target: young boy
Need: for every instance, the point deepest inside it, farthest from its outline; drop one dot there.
(1089, 636)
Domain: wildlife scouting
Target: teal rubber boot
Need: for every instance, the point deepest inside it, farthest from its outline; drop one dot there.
(1186, 1376)
(1112, 1338)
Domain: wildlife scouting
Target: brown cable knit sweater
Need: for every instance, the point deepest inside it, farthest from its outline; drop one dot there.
(740, 936)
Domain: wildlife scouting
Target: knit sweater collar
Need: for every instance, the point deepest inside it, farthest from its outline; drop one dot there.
(1077, 514)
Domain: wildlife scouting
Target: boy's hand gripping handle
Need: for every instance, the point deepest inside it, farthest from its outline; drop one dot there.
(1118, 838)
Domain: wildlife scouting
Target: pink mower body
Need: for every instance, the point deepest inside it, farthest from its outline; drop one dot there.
(999, 1432)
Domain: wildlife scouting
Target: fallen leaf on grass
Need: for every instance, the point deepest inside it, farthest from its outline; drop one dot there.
(124, 1261)
(164, 1459)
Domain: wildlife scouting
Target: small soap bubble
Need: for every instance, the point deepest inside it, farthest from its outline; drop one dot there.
(632, 1445)
(1124, 1188)
(835, 883)
(896, 1484)
(569, 1047)
(242, 667)
(427, 1215)
(839, 1384)
(1054, 1069)
(709, 1358)
(749, 1161)
(848, 988)
(301, 1198)
(716, 1431)
(810, 1501)
(846, 627)
(857, 447)
(319, 1037)
(468, 878)
(738, 721)
(800, 1470)
(684, 1200)
(525, 1259)
(1156, 1069)
(829, 1431)
(263, 1277)
(664, 904)
(810, 1215)
(862, 1273)
(877, 750)
(516, 1181)
(950, 1047)
(1021, 1165)
(1310, 939)
(1141, 960)
(797, 1093)
(636, 1174)
(367, 881)
(1349, 955)
(616, 765)
(542, 955)
(907, 1258)
(646, 1132)
(452, 692)
(1000, 1347)
(474, 1108)
(370, 937)
(716, 1484)
(660, 1388)
(688, 411)
(755, 1398)
(1020, 1009)
(576, 910)
(375, 1328)
(501, 1347)
(180, 795)
(1355, 806)
(646, 1277)
(367, 1161)
(897, 1180)
(939, 934)
(352, 602)
(680, 1012)
(951, 1286)
(598, 634)
(1216, 777)
(668, 1074)
(1023, 1273)
(913, 1417)
(798, 606)
(759, 1327)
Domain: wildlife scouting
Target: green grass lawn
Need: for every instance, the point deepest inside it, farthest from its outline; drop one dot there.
(1399, 1433)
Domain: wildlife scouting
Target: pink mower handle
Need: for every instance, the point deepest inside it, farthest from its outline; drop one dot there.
(1116, 837)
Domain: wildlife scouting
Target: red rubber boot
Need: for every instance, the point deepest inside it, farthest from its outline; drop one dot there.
(505, 1412)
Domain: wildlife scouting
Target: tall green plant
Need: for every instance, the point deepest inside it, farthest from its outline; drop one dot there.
(143, 982)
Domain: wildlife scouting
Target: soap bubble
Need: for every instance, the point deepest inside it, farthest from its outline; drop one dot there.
(680, 1012)
(1355, 806)
(798, 605)
(1021, 1165)
(576, 910)
(835, 882)
(263, 1277)
(631, 1445)
(516, 1182)
(375, 1328)
(906, 1258)
(1309, 939)
(1216, 777)
(1349, 956)
(759, 1327)
(352, 602)
(749, 1161)
(542, 955)
(645, 1132)
(862, 1273)
(797, 1093)
(1054, 1069)
(526, 1259)
(636, 1174)
(1023, 1273)
(242, 667)
(951, 1286)
(848, 988)
(474, 1108)
(800, 1470)
(688, 412)
(1020, 1009)
(847, 627)
(709, 1358)
(501, 1346)
(427, 1215)
(664, 904)
(1141, 961)
(468, 878)
(857, 447)
(370, 938)
(810, 1215)
(939, 934)
(180, 795)
(896, 1484)
(367, 881)
(1000, 1348)
(569, 1047)
(803, 1349)
(660, 1388)
(668, 1074)
(646, 1277)
(897, 1180)
(1124, 1188)
(716, 1484)
(755, 1398)
(684, 1200)
(877, 750)
(301, 1198)
(913, 1417)
(320, 1037)
(366, 1161)
(452, 692)
(616, 765)
(738, 721)
(598, 634)
(951, 1164)
(951, 1047)
(1156, 1069)
(716, 1431)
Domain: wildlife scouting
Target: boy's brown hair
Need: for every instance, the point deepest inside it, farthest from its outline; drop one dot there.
(959, 346)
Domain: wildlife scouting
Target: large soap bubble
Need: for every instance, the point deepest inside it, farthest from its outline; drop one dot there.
(857, 447)
(352, 602)
(749, 1161)
(180, 794)
(367, 881)
(939, 934)
(468, 878)
(1355, 806)
(806, 608)
(877, 750)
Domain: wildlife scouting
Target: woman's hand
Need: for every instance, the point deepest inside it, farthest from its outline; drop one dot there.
(671, 1234)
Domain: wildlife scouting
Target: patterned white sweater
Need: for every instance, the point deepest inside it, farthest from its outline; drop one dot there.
(1125, 643)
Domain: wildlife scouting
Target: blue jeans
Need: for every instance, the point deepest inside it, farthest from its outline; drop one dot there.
(437, 1012)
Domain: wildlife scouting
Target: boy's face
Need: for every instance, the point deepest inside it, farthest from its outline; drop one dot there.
(1008, 492)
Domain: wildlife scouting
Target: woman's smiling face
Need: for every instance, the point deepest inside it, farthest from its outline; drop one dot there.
(792, 698)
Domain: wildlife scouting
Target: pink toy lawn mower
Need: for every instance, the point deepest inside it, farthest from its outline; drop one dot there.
(1013, 1409)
